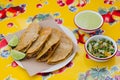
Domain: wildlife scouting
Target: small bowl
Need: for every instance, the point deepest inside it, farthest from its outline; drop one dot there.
(97, 58)
(88, 21)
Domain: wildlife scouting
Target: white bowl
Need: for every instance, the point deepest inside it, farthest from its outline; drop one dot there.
(82, 23)
(96, 58)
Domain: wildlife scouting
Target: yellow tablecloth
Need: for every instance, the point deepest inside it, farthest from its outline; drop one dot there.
(18, 14)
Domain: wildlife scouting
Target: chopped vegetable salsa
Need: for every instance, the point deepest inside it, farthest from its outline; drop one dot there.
(101, 48)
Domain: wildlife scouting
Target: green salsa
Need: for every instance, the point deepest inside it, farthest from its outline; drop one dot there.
(88, 20)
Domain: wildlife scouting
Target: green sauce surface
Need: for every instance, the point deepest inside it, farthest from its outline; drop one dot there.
(88, 20)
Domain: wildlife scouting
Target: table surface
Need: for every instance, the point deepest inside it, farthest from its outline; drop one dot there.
(18, 14)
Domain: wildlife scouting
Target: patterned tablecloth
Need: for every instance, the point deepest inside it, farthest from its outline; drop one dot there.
(18, 14)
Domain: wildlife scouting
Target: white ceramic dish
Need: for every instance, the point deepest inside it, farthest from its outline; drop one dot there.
(62, 64)
(86, 21)
(99, 37)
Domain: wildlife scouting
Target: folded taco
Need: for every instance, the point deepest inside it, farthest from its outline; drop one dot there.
(28, 37)
(39, 43)
(50, 46)
(63, 50)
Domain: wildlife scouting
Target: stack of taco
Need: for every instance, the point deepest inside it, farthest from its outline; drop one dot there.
(45, 44)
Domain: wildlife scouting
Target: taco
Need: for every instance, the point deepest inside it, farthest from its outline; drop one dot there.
(28, 37)
(63, 50)
(50, 46)
(39, 43)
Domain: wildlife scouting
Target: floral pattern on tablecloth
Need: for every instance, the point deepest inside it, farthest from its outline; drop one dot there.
(110, 15)
(73, 5)
(40, 17)
(83, 36)
(10, 11)
(101, 74)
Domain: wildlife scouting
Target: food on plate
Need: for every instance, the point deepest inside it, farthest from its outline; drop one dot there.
(17, 55)
(63, 50)
(28, 37)
(45, 44)
(39, 43)
(101, 48)
(50, 46)
(14, 41)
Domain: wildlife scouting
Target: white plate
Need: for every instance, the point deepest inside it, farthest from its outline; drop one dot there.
(62, 64)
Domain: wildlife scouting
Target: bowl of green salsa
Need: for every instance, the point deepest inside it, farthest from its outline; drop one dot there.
(100, 48)
(88, 21)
